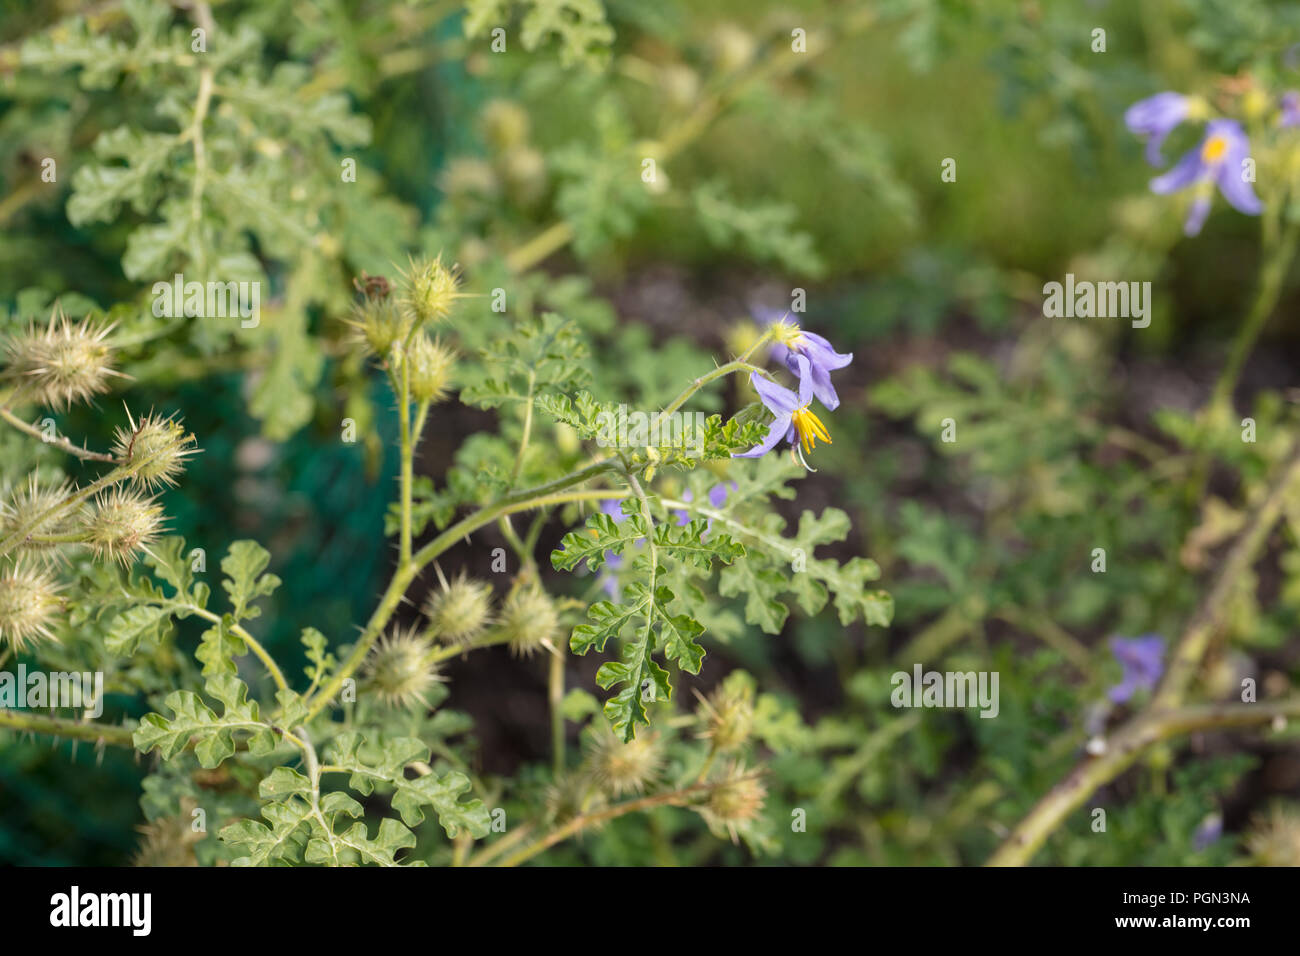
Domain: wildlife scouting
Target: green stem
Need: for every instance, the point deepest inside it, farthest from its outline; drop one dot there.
(1272, 276)
(551, 493)
(62, 727)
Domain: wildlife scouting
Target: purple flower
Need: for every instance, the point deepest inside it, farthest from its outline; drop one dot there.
(1155, 118)
(1290, 109)
(1208, 832)
(1216, 161)
(1141, 658)
(792, 417)
(791, 342)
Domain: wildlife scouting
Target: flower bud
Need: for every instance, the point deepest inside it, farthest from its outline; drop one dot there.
(430, 369)
(64, 364)
(529, 619)
(28, 603)
(122, 523)
(459, 612)
(155, 448)
(28, 502)
(620, 768)
(399, 670)
(733, 803)
(429, 291)
(1275, 840)
(728, 715)
(378, 324)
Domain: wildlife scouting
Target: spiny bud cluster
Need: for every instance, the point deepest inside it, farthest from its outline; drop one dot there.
(62, 364)
(29, 603)
(529, 619)
(429, 290)
(429, 368)
(618, 767)
(727, 715)
(29, 503)
(734, 803)
(378, 324)
(400, 669)
(1274, 840)
(154, 448)
(122, 524)
(459, 612)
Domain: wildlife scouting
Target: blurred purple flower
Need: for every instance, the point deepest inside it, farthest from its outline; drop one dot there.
(791, 342)
(717, 498)
(1216, 161)
(1208, 832)
(1290, 109)
(1155, 118)
(1142, 660)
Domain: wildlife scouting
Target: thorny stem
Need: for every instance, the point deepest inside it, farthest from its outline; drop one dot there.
(673, 798)
(1122, 750)
(61, 443)
(1160, 720)
(62, 727)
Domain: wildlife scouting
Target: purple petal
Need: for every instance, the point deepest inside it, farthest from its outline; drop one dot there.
(718, 493)
(820, 352)
(1231, 173)
(1155, 118)
(805, 382)
(774, 432)
(1196, 216)
(778, 399)
(1190, 169)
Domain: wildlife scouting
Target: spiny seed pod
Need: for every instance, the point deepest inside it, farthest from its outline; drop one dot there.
(378, 324)
(734, 803)
(156, 448)
(727, 715)
(121, 524)
(459, 612)
(29, 600)
(63, 364)
(529, 620)
(620, 768)
(400, 671)
(1275, 840)
(168, 841)
(26, 503)
(430, 368)
(429, 291)
(505, 124)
